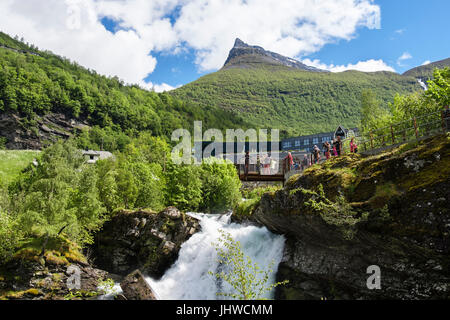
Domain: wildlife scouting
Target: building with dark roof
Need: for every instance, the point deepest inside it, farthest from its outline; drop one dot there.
(308, 142)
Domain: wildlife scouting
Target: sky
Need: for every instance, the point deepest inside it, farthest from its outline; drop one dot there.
(164, 44)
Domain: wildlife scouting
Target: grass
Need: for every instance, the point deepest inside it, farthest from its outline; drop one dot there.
(59, 251)
(12, 162)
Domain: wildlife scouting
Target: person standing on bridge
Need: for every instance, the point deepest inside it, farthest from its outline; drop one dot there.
(305, 162)
(327, 148)
(247, 163)
(353, 146)
(266, 164)
(290, 161)
(333, 144)
(316, 152)
(338, 145)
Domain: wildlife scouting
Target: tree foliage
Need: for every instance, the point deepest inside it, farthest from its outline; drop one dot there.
(246, 278)
(439, 87)
(34, 83)
(59, 194)
(295, 101)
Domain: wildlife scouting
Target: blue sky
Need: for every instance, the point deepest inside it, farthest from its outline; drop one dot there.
(162, 44)
(418, 28)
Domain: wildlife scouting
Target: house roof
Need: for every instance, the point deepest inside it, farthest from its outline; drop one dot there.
(101, 154)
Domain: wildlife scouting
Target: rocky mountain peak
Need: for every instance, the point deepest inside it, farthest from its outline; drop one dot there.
(238, 43)
(243, 55)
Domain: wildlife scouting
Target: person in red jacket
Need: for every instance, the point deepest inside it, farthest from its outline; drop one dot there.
(290, 160)
(353, 146)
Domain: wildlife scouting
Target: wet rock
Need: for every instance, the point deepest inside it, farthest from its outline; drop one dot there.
(126, 243)
(135, 287)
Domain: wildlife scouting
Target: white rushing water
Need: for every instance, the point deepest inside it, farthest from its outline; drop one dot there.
(189, 278)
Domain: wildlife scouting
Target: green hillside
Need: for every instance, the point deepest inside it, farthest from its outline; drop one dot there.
(299, 102)
(426, 71)
(12, 162)
(34, 83)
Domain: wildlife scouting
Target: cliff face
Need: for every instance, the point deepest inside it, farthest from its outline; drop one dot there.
(390, 210)
(20, 134)
(145, 240)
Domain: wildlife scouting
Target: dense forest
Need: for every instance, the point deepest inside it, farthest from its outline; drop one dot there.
(296, 101)
(34, 83)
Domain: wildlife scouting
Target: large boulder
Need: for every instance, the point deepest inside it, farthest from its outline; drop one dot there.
(401, 224)
(61, 272)
(143, 240)
(135, 287)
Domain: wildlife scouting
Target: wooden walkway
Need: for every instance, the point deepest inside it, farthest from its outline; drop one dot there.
(254, 176)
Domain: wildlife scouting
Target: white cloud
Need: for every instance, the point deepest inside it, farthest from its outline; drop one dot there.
(405, 56)
(426, 62)
(364, 66)
(293, 28)
(163, 87)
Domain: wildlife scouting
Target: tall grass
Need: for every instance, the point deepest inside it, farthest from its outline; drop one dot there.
(12, 162)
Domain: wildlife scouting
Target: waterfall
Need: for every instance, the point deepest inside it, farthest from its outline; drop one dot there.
(189, 278)
(422, 84)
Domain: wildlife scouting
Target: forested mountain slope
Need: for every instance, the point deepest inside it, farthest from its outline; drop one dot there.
(426, 72)
(296, 101)
(36, 83)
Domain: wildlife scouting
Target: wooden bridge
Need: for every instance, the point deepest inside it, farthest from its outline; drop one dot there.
(376, 141)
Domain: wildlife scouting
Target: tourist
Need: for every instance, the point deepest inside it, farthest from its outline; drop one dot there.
(258, 164)
(327, 148)
(316, 152)
(334, 148)
(338, 146)
(305, 162)
(273, 166)
(266, 164)
(290, 160)
(353, 146)
(247, 162)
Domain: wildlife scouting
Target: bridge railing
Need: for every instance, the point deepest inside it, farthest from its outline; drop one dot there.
(402, 132)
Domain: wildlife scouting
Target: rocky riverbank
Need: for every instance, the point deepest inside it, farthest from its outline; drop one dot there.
(131, 240)
(389, 210)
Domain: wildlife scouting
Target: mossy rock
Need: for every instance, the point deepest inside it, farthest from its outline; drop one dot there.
(59, 251)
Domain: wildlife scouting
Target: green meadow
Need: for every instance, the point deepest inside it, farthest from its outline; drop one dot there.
(12, 162)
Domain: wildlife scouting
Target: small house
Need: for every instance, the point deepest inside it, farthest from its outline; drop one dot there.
(92, 156)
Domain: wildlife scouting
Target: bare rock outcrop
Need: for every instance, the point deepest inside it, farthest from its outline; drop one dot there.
(143, 240)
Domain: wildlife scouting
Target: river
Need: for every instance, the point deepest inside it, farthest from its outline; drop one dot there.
(189, 278)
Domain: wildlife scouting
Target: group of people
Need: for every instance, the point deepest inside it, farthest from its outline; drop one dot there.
(265, 164)
(333, 149)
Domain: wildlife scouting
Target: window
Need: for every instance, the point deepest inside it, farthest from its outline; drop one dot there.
(315, 140)
(306, 142)
(324, 139)
(297, 143)
(287, 144)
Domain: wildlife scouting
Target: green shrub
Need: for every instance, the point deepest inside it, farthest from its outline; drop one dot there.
(247, 279)
(59, 194)
(9, 236)
(220, 185)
